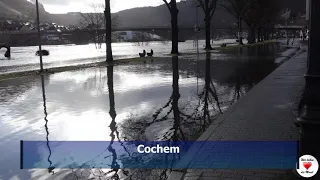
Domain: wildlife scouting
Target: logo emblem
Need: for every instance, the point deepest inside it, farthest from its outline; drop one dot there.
(308, 166)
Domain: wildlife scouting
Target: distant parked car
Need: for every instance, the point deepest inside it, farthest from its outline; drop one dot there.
(43, 52)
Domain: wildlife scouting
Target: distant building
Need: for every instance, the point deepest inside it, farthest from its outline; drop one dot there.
(26, 29)
(125, 35)
(10, 25)
(135, 36)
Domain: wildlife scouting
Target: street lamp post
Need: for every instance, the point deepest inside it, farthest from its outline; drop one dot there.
(39, 36)
(309, 121)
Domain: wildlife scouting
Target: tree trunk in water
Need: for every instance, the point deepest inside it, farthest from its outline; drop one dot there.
(174, 27)
(112, 111)
(240, 31)
(206, 114)
(208, 33)
(208, 25)
(266, 34)
(108, 31)
(175, 96)
(251, 36)
(259, 34)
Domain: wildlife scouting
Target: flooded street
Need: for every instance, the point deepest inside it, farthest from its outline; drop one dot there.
(168, 98)
(24, 58)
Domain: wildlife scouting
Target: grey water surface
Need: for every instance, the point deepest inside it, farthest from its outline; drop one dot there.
(169, 98)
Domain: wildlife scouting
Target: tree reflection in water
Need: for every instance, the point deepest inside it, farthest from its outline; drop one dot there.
(183, 124)
(114, 129)
(113, 125)
(114, 172)
(208, 96)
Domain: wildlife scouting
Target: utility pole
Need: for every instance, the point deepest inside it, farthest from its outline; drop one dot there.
(39, 36)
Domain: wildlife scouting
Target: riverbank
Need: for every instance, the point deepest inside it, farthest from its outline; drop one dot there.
(276, 99)
(116, 62)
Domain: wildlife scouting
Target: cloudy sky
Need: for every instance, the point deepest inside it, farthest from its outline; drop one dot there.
(64, 6)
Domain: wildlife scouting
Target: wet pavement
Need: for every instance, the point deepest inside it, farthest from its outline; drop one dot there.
(266, 113)
(164, 99)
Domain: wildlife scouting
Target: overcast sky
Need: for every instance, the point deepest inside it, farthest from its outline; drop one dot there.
(64, 6)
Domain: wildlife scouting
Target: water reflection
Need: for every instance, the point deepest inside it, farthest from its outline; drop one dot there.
(166, 100)
(175, 101)
(50, 168)
(113, 125)
(208, 96)
(170, 113)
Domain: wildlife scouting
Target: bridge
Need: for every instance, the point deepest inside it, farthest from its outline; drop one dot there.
(80, 36)
(102, 30)
(289, 27)
(83, 36)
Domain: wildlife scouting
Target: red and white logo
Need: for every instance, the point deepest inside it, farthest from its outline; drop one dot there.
(308, 166)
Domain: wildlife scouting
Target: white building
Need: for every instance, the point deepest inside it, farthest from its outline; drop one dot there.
(135, 35)
(125, 35)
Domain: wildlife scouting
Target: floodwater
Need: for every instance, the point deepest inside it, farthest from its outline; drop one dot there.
(168, 98)
(23, 58)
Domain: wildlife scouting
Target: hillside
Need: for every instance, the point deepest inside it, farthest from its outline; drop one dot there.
(22, 9)
(155, 16)
(136, 17)
(159, 16)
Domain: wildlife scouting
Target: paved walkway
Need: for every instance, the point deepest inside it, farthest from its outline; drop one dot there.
(265, 113)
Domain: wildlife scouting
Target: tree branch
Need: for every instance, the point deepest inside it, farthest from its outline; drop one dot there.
(155, 116)
(229, 10)
(202, 5)
(168, 5)
(213, 7)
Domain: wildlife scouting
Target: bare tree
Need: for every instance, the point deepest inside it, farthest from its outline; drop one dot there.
(261, 19)
(208, 7)
(268, 11)
(233, 30)
(94, 23)
(172, 6)
(238, 8)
